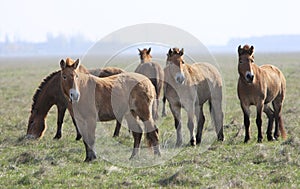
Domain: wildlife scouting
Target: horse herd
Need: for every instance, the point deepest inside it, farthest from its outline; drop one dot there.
(113, 94)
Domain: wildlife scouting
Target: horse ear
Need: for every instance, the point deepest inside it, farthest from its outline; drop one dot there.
(140, 51)
(251, 50)
(63, 64)
(181, 52)
(170, 52)
(149, 50)
(76, 64)
(240, 50)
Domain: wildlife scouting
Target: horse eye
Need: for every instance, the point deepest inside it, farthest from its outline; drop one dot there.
(76, 76)
(64, 77)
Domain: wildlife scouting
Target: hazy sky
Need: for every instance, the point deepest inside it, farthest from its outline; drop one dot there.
(212, 22)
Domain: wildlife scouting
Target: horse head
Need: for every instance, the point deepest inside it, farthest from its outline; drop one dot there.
(36, 125)
(246, 60)
(175, 62)
(69, 78)
(145, 55)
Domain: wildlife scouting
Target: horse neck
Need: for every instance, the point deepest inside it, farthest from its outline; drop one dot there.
(49, 93)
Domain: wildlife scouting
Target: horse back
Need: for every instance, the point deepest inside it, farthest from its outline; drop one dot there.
(275, 81)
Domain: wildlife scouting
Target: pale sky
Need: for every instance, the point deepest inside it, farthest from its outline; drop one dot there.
(212, 22)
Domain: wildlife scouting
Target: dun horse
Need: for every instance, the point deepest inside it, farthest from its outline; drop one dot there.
(153, 71)
(259, 86)
(189, 87)
(126, 95)
(48, 94)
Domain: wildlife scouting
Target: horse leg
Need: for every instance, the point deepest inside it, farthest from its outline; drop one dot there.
(259, 109)
(200, 123)
(270, 115)
(152, 135)
(117, 129)
(177, 119)
(70, 109)
(88, 127)
(60, 118)
(191, 126)
(137, 133)
(277, 105)
(246, 112)
(217, 117)
(164, 114)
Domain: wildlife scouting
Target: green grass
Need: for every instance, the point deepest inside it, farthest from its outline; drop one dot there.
(49, 163)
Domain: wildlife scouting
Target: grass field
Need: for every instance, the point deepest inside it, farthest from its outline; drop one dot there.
(48, 163)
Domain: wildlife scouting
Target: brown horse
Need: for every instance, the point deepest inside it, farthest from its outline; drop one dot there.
(153, 71)
(126, 95)
(48, 94)
(189, 87)
(260, 85)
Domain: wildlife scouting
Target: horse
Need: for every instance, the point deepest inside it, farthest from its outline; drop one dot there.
(259, 86)
(48, 94)
(189, 87)
(126, 95)
(153, 71)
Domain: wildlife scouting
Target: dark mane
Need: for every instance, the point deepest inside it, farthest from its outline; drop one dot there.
(40, 88)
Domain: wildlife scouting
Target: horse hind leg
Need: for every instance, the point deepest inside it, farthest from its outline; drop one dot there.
(277, 105)
(152, 136)
(200, 123)
(164, 114)
(137, 133)
(270, 114)
(259, 109)
(216, 113)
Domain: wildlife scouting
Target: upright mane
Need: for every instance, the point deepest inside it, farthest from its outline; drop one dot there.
(40, 88)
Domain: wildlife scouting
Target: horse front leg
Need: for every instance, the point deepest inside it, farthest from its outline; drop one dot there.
(176, 111)
(246, 112)
(259, 109)
(60, 118)
(191, 127)
(70, 109)
(88, 133)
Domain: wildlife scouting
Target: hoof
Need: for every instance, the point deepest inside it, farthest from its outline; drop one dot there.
(90, 156)
(163, 114)
(78, 137)
(259, 140)
(178, 144)
(57, 136)
(193, 142)
(270, 138)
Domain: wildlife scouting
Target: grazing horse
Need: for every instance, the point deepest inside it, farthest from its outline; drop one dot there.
(48, 94)
(189, 87)
(259, 86)
(126, 95)
(153, 71)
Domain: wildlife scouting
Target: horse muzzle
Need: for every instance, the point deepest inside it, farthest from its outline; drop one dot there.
(74, 95)
(179, 78)
(249, 77)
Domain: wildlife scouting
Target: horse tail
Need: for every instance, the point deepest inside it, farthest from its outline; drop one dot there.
(282, 131)
(155, 102)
